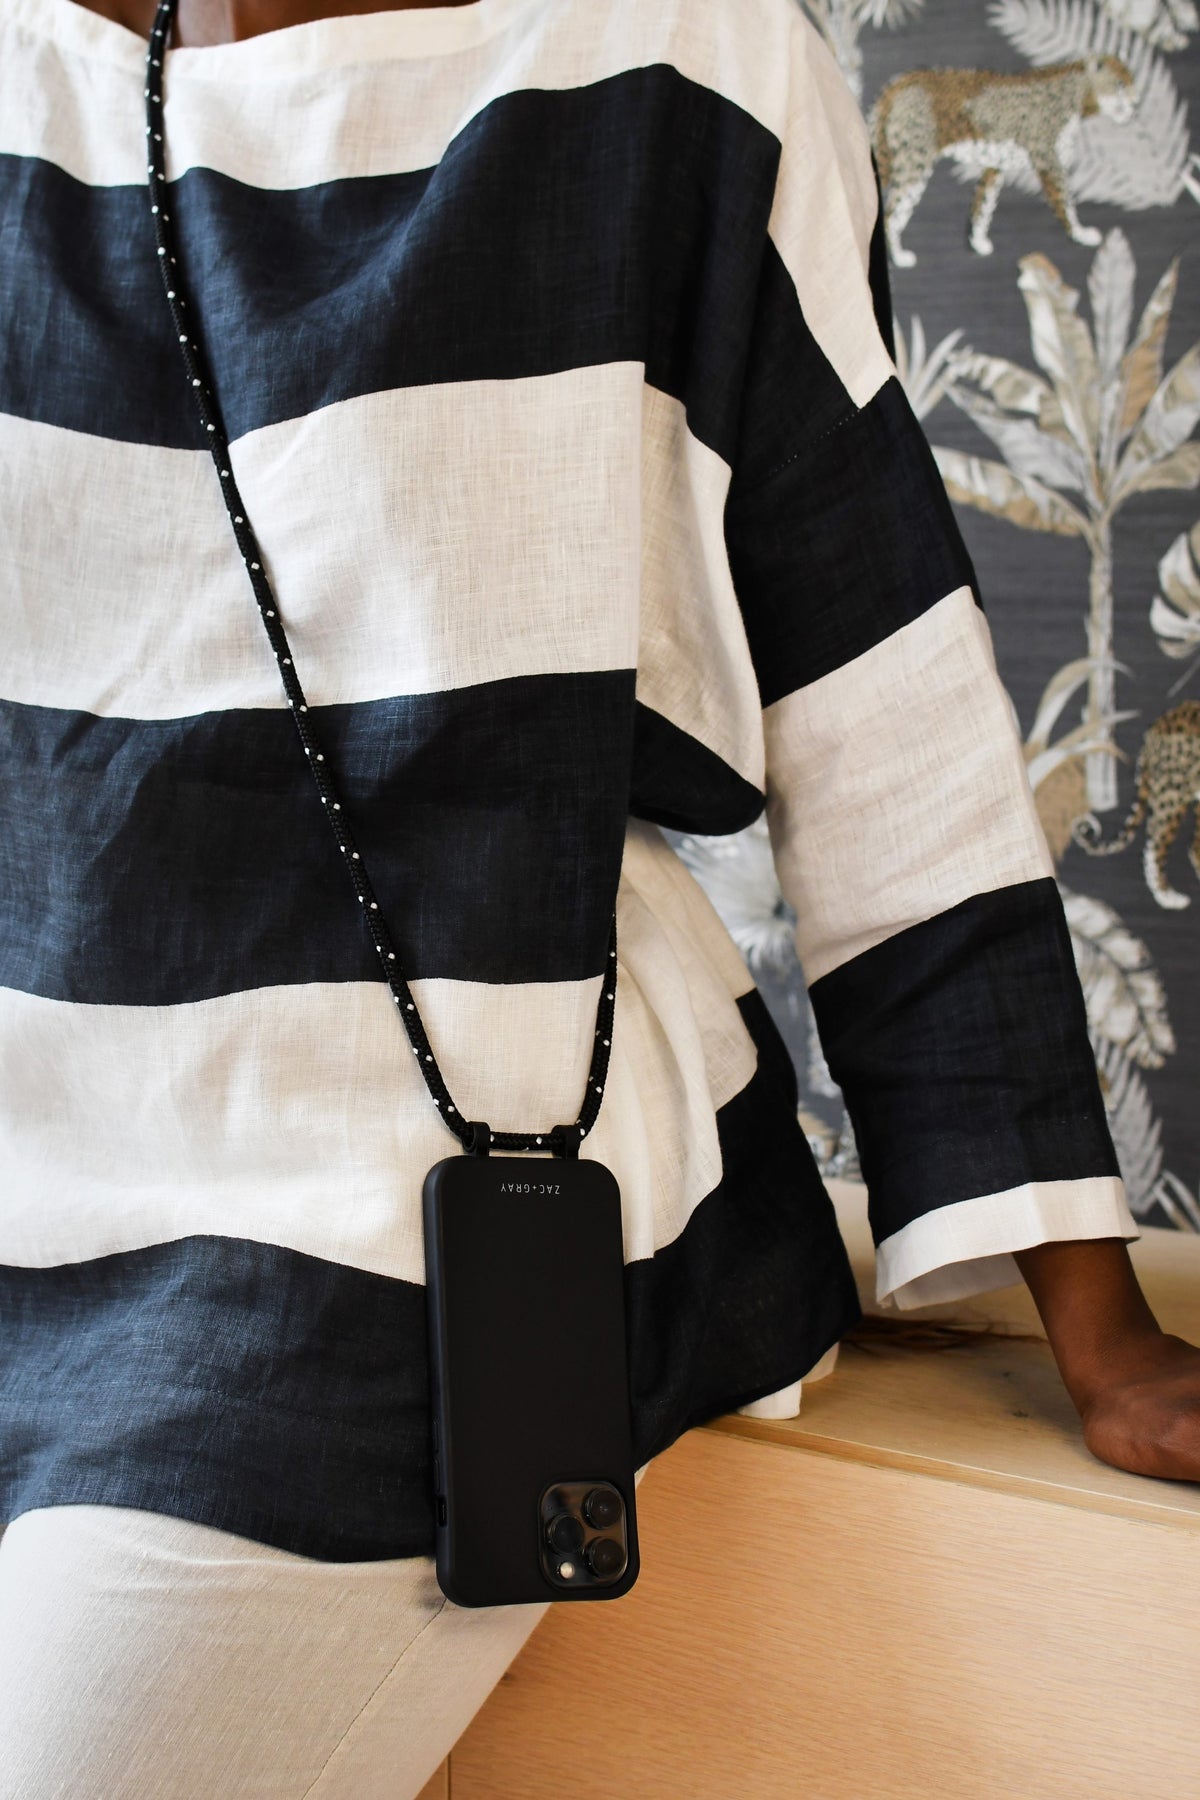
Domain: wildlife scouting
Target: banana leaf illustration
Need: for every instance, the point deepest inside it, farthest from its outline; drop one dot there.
(1175, 612)
(1137, 1138)
(1126, 1000)
(922, 372)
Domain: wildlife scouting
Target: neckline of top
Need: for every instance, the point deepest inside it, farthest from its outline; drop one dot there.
(307, 48)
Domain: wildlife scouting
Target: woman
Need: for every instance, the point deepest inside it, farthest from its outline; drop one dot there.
(552, 343)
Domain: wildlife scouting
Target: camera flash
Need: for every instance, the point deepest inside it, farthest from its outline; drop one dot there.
(566, 1570)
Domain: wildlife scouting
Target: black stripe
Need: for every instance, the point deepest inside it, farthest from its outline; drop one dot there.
(758, 1284)
(284, 1397)
(160, 861)
(850, 539)
(879, 277)
(961, 1047)
(623, 220)
(150, 862)
(682, 784)
(792, 395)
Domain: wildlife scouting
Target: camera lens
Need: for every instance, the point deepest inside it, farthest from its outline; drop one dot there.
(605, 1556)
(565, 1532)
(602, 1508)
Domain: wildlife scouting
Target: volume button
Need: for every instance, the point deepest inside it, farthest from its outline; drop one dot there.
(435, 1432)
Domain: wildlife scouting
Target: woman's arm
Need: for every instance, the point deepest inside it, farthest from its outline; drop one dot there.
(930, 927)
(1135, 1387)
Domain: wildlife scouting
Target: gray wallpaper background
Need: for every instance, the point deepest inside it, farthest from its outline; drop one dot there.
(1059, 383)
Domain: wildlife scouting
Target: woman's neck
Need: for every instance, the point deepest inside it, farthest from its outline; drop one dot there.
(202, 22)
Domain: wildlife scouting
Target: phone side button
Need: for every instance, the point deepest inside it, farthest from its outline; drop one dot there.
(441, 1509)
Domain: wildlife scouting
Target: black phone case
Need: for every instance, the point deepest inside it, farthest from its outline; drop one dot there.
(529, 1384)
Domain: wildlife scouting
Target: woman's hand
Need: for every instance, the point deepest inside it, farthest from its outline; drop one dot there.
(1135, 1387)
(1148, 1419)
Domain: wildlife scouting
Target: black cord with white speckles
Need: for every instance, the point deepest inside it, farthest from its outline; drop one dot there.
(474, 1135)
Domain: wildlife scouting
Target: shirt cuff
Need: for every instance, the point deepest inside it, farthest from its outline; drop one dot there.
(966, 1248)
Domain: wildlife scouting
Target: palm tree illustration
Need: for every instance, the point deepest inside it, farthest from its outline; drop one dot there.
(1100, 424)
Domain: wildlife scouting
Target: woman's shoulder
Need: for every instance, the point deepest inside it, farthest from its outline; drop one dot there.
(741, 49)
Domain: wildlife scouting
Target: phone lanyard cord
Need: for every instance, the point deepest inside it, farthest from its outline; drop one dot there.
(474, 1135)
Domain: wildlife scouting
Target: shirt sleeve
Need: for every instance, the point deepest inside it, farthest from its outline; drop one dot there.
(930, 928)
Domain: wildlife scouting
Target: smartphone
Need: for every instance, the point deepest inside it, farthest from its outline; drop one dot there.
(532, 1434)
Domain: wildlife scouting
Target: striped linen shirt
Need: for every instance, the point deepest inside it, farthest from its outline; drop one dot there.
(553, 342)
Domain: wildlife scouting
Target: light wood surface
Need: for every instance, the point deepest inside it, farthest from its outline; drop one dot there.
(806, 1628)
(994, 1414)
(922, 1588)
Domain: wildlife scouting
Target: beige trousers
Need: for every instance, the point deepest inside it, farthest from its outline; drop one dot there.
(143, 1657)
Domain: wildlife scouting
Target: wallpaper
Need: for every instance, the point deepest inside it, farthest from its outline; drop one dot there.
(1042, 200)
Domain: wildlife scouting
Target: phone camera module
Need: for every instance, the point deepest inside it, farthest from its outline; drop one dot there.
(564, 1533)
(605, 1557)
(583, 1535)
(602, 1508)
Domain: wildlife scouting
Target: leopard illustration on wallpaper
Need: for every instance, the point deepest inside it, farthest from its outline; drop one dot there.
(991, 126)
(1166, 784)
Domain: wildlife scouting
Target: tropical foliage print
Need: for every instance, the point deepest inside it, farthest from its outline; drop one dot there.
(1099, 425)
(1086, 434)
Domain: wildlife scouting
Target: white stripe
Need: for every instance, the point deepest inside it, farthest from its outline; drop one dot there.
(381, 117)
(377, 117)
(966, 1248)
(297, 1116)
(694, 663)
(825, 208)
(308, 50)
(563, 543)
(494, 533)
(896, 787)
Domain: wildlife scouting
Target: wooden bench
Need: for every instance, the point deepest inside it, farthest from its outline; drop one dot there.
(924, 1587)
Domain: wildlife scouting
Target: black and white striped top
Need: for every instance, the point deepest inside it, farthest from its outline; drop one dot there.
(553, 344)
